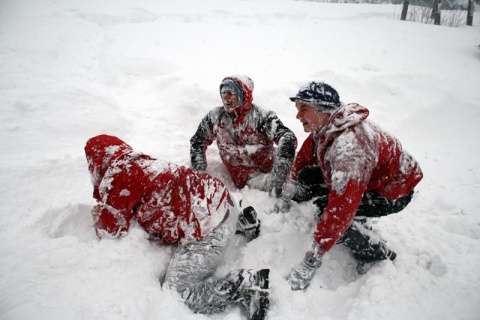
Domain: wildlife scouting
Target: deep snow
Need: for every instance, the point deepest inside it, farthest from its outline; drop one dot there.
(148, 71)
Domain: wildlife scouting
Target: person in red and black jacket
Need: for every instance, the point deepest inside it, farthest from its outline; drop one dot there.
(354, 169)
(177, 206)
(246, 136)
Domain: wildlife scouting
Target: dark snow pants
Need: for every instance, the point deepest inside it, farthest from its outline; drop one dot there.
(359, 237)
(192, 266)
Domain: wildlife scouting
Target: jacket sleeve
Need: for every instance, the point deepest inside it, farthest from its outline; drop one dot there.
(112, 223)
(286, 146)
(202, 138)
(338, 215)
(118, 200)
(352, 159)
(305, 157)
(282, 136)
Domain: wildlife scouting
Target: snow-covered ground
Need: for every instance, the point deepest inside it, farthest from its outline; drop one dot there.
(148, 71)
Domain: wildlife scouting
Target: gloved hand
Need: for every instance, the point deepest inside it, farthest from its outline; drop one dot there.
(282, 205)
(294, 190)
(302, 274)
(278, 177)
(301, 193)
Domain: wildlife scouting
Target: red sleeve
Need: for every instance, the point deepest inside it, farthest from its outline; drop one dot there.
(116, 212)
(125, 189)
(112, 224)
(338, 215)
(351, 159)
(305, 157)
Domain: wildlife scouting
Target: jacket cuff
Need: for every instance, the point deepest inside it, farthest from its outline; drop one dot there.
(316, 250)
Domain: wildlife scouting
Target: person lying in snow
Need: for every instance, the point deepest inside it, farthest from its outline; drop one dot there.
(356, 171)
(177, 205)
(245, 136)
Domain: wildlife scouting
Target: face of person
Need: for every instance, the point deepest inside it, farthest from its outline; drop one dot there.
(229, 99)
(311, 119)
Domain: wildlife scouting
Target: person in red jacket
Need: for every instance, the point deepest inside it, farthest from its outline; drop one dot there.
(354, 169)
(246, 136)
(177, 205)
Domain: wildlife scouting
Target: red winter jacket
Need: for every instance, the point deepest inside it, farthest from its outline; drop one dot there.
(355, 156)
(170, 201)
(245, 139)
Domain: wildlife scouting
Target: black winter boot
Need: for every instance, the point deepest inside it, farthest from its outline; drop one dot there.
(254, 295)
(248, 224)
(363, 266)
(247, 287)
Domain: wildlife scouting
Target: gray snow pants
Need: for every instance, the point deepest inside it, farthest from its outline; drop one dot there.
(192, 266)
(366, 245)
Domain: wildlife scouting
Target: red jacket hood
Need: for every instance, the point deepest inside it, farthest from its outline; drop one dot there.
(247, 85)
(101, 151)
(347, 116)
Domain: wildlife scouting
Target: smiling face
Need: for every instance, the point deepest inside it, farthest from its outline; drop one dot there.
(311, 119)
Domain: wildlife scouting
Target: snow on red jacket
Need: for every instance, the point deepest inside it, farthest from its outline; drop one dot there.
(355, 156)
(175, 202)
(245, 139)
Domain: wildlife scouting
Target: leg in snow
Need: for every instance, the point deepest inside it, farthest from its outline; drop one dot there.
(366, 245)
(192, 266)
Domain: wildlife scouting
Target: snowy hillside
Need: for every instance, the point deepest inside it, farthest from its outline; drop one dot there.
(148, 71)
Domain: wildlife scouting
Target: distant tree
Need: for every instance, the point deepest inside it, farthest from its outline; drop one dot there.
(436, 16)
(405, 9)
(470, 8)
